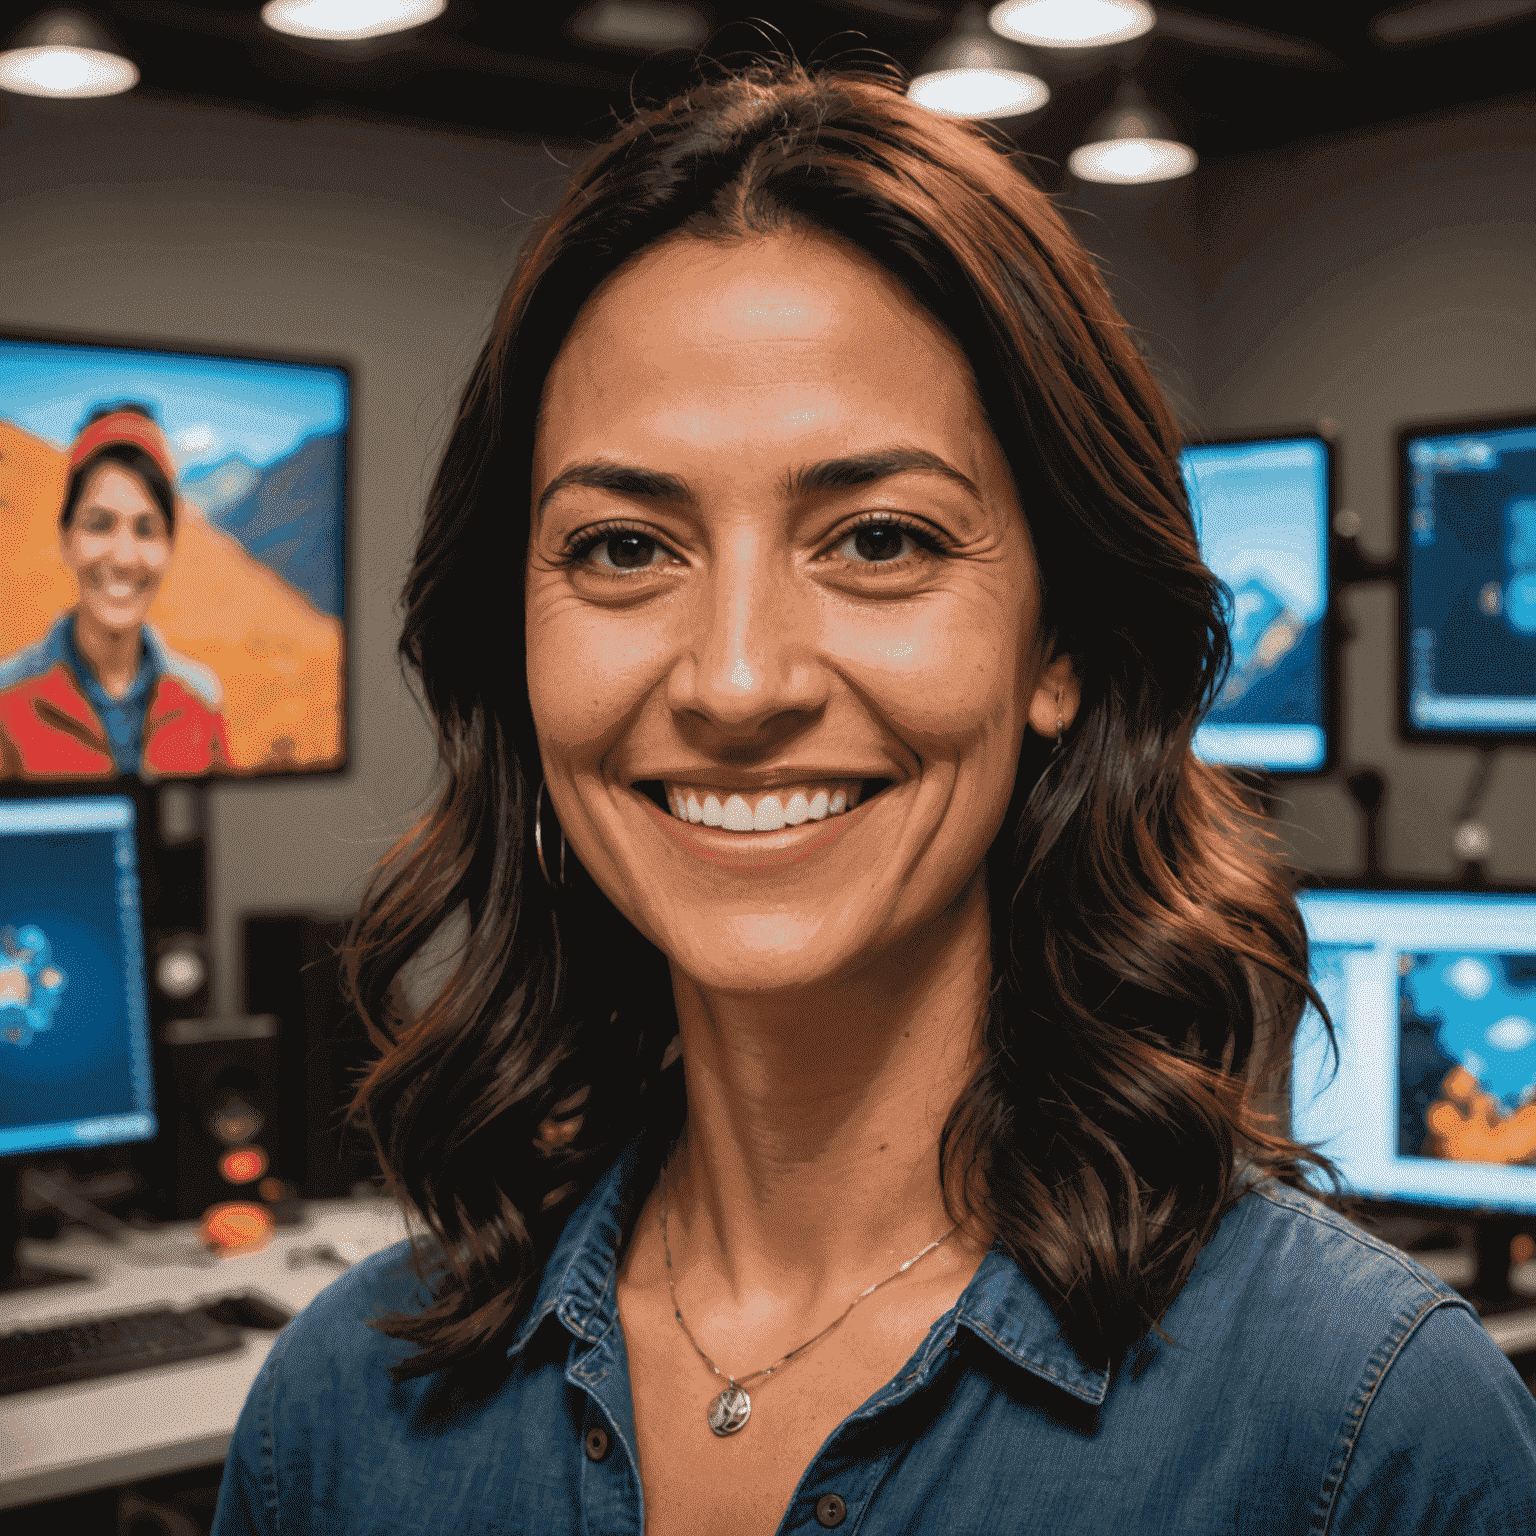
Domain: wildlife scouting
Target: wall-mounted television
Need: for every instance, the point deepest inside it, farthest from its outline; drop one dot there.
(173, 600)
(1467, 503)
(1262, 505)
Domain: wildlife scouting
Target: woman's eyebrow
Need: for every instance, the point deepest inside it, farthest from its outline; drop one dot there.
(826, 475)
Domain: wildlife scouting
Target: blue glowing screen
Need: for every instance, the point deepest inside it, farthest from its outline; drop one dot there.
(1469, 582)
(75, 1066)
(1433, 1002)
(1261, 513)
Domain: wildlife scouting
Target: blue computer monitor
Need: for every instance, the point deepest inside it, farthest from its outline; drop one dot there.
(75, 1065)
(1467, 497)
(1262, 508)
(1433, 1002)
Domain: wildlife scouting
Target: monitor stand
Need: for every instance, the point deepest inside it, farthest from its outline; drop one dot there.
(1489, 1289)
(16, 1275)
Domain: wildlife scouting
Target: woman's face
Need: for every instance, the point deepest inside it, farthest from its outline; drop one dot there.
(712, 623)
(118, 546)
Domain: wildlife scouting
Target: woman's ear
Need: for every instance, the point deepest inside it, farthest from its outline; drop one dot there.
(1056, 698)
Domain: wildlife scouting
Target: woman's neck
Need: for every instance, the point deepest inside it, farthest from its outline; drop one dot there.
(112, 654)
(809, 1164)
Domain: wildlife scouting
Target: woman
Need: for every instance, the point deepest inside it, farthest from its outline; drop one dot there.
(101, 693)
(857, 1040)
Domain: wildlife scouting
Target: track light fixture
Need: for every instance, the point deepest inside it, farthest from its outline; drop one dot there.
(975, 73)
(1071, 23)
(348, 20)
(65, 53)
(1132, 142)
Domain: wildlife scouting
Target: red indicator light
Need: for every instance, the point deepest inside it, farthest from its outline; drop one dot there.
(240, 1165)
(237, 1226)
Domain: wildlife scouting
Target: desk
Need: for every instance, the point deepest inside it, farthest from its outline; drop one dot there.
(128, 1429)
(125, 1429)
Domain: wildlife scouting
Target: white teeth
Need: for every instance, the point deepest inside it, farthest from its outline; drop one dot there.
(769, 815)
(772, 812)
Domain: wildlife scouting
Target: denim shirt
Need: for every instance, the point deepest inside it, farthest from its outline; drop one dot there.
(1325, 1383)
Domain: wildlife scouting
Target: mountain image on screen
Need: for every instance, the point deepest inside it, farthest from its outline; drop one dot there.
(1276, 661)
(287, 515)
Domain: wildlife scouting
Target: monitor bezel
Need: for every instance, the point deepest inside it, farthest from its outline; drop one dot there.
(1319, 432)
(239, 352)
(1408, 731)
(1393, 1206)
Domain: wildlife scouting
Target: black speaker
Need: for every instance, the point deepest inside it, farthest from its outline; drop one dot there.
(221, 1124)
(293, 972)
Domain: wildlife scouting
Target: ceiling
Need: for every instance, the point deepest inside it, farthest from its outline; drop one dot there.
(512, 67)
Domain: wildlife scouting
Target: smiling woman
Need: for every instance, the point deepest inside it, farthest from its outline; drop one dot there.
(825, 1130)
(102, 694)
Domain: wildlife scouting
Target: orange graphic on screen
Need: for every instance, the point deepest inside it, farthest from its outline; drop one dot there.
(1467, 1125)
(252, 678)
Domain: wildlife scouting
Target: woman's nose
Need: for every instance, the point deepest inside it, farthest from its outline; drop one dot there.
(124, 549)
(751, 653)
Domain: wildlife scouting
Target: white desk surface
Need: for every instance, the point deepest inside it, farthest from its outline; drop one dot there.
(125, 1429)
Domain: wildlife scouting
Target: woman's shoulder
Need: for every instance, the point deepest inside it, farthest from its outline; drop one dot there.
(1291, 1254)
(31, 661)
(330, 1340)
(199, 679)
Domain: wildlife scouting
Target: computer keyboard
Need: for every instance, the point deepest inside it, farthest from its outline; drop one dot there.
(109, 1346)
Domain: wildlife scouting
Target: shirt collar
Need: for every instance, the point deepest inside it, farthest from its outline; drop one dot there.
(151, 665)
(999, 1306)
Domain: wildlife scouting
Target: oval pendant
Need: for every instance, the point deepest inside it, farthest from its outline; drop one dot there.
(730, 1411)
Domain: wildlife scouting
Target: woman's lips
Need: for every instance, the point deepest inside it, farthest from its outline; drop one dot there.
(118, 589)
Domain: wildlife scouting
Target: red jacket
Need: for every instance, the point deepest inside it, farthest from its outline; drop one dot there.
(48, 728)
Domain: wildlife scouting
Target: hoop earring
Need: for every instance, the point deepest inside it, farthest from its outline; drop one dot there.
(538, 840)
(1057, 747)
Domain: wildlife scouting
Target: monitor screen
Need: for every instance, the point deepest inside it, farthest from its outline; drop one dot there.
(1469, 581)
(1433, 1001)
(173, 595)
(1262, 515)
(75, 1064)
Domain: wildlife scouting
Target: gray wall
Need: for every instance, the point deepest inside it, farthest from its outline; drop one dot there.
(1372, 279)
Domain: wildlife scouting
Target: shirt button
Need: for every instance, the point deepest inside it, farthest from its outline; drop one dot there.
(597, 1443)
(830, 1510)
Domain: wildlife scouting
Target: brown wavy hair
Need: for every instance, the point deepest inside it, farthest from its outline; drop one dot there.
(1150, 965)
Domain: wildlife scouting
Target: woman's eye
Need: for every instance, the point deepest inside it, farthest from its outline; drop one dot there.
(625, 549)
(883, 543)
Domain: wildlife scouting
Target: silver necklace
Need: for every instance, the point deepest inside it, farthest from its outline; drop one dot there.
(730, 1409)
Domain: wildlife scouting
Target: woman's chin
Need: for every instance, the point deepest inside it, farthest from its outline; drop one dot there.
(766, 953)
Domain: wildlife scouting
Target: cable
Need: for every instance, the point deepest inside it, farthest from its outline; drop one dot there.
(1470, 839)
